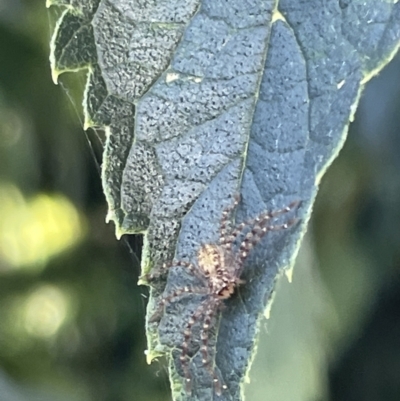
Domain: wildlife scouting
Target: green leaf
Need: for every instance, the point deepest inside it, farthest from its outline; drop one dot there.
(204, 99)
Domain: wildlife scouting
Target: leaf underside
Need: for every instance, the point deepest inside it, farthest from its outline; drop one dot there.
(204, 99)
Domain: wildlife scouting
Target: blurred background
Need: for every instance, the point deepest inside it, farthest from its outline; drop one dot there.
(71, 313)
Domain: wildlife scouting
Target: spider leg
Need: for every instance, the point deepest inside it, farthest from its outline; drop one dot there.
(159, 272)
(211, 310)
(185, 346)
(254, 236)
(172, 296)
(192, 268)
(225, 224)
(257, 221)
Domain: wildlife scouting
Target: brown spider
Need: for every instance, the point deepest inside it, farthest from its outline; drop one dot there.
(219, 268)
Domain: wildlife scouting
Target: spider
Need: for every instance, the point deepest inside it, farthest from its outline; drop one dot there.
(219, 268)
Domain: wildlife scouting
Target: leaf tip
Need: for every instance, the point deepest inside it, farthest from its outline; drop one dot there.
(119, 233)
(289, 274)
(143, 281)
(151, 355)
(87, 124)
(54, 75)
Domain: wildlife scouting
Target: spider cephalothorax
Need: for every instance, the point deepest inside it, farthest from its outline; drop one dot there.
(218, 269)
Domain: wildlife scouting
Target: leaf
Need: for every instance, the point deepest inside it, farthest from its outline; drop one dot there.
(203, 99)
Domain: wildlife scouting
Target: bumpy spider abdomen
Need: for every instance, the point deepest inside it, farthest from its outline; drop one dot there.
(210, 257)
(220, 268)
